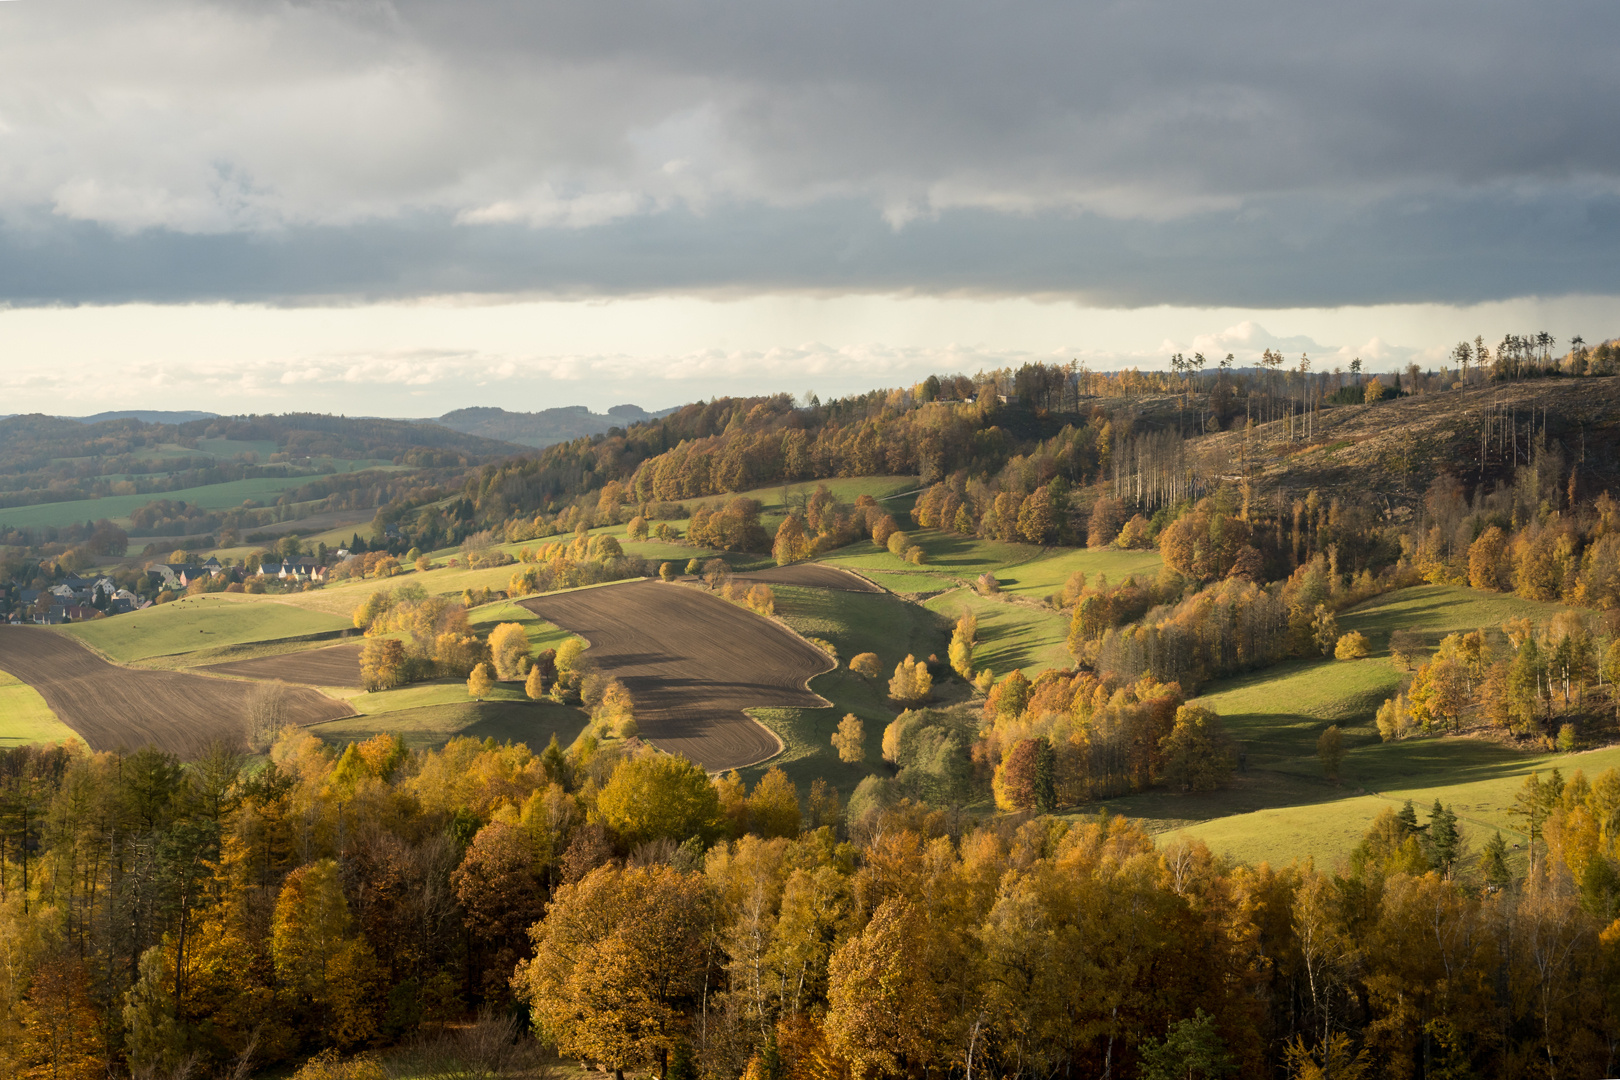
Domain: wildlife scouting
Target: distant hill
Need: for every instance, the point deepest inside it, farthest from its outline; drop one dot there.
(546, 427)
(146, 416)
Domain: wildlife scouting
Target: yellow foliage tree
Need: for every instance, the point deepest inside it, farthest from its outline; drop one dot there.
(479, 683)
(773, 806)
(535, 685)
(911, 682)
(850, 739)
(508, 646)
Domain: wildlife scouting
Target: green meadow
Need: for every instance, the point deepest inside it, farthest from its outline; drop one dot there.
(199, 622)
(25, 718)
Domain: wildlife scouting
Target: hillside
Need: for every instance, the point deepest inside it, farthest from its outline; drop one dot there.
(546, 427)
(1394, 449)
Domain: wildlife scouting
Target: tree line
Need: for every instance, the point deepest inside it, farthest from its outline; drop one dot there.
(650, 919)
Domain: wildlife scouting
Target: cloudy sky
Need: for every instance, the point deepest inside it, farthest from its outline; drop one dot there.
(406, 207)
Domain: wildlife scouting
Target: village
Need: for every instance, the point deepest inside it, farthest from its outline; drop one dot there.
(57, 596)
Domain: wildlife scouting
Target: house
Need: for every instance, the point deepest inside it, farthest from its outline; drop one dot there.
(175, 576)
(301, 569)
(213, 566)
(80, 612)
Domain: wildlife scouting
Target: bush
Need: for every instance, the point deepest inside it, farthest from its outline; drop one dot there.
(866, 664)
(911, 682)
(1351, 646)
(897, 543)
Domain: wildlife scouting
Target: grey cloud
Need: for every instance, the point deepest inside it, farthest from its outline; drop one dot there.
(1130, 152)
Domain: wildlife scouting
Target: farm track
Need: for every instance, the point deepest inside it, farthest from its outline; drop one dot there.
(335, 665)
(692, 663)
(113, 707)
(816, 575)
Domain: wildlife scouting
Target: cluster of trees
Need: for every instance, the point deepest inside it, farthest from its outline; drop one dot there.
(1525, 680)
(1104, 737)
(822, 523)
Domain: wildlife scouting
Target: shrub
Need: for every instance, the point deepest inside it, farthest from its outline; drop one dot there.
(866, 664)
(897, 543)
(1351, 646)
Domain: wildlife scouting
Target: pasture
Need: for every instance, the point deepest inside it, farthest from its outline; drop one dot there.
(119, 507)
(199, 622)
(692, 663)
(110, 707)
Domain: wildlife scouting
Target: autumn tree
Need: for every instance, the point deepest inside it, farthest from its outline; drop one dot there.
(886, 1013)
(479, 683)
(1487, 560)
(792, 543)
(654, 796)
(963, 638)
(508, 648)
(1351, 646)
(382, 664)
(1330, 749)
(911, 683)
(619, 966)
(1195, 756)
(534, 687)
(500, 891)
(1394, 719)
(773, 806)
(850, 739)
(865, 664)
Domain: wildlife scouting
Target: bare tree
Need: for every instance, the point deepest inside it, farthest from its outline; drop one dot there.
(265, 714)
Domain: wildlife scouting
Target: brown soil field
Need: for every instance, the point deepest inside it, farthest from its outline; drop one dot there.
(115, 707)
(692, 662)
(814, 574)
(335, 665)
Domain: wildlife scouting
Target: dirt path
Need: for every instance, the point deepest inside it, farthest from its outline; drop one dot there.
(112, 707)
(692, 662)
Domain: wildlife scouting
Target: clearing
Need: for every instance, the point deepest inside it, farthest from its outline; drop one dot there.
(692, 663)
(110, 707)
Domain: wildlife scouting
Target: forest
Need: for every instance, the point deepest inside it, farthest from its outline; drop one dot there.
(195, 920)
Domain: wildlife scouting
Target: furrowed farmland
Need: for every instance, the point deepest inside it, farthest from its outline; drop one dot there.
(113, 707)
(692, 662)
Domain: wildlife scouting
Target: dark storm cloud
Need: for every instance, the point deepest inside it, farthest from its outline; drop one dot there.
(1259, 154)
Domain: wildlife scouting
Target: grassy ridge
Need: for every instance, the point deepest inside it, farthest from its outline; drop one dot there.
(1010, 635)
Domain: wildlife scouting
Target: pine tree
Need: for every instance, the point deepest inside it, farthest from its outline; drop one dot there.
(1443, 838)
(1493, 863)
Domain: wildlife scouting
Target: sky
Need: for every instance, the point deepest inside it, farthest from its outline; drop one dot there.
(401, 208)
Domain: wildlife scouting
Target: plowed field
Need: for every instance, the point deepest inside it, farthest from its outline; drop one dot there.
(817, 575)
(336, 665)
(692, 662)
(112, 707)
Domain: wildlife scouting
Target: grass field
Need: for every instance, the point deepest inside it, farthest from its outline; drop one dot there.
(1010, 635)
(854, 623)
(542, 635)
(25, 718)
(119, 507)
(1046, 574)
(198, 622)
(1282, 806)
